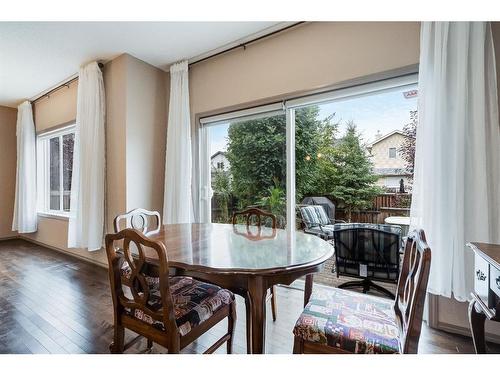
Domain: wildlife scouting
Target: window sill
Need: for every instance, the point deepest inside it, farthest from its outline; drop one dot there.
(51, 215)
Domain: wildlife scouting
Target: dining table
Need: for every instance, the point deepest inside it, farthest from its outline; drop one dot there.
(247, 260)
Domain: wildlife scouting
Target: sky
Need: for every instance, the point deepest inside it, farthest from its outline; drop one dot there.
(383, 111)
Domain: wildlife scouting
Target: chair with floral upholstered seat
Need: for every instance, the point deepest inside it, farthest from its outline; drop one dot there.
(171, 311)
(341, 321)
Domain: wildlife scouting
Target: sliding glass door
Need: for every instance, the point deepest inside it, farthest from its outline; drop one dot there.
(357, 150)
(350, 145)
(246, 160)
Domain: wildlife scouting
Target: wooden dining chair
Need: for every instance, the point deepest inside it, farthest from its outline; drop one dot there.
(171, 311)
(342, 321)
(255, 216)
(148, 222)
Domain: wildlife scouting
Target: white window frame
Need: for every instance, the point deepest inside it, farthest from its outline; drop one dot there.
(43, 171)
(289, 107)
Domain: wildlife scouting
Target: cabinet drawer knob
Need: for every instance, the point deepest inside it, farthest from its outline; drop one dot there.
(498, 282)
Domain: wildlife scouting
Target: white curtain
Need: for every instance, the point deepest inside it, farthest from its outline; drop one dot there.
(457, 177)
(25, 216)
(86, 223)
(177, 203)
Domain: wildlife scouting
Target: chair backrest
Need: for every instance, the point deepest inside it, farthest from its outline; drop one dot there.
(255, 216)
(134, 284)
(313, 215)
(255, 235)
(367, 250)
(148, 222)
(326, 203)
(412, 290)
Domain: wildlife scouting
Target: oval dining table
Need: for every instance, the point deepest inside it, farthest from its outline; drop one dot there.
(246, 260)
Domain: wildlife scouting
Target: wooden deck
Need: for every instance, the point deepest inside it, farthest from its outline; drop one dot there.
(53, 303)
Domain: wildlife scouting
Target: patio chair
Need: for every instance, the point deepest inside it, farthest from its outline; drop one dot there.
(315, 221)
(369, 252)
(327, 204)
(338, 321)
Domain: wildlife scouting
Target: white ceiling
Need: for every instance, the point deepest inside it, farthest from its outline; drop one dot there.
(35, 56)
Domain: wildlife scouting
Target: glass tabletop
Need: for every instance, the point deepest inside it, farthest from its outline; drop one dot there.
(238, 247)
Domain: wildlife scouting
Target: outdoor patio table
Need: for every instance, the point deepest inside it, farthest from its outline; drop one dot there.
(404, 221)
(245, 260)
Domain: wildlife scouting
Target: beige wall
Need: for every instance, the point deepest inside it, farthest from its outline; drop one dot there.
(136, 107)
(115, 83)
(8, 158)
(145, 135)
(307, 57)
(57, 109)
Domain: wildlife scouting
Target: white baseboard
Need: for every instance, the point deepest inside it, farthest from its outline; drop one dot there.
(91, 261)
(15, 237)
(464, 331)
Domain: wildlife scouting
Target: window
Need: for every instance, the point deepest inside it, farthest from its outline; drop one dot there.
(280, 154)
(253, 172)
(54, 170)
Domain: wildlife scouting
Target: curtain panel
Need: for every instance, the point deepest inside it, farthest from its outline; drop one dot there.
(86, 223)
(457, 177)
(177, 202)
(25, 215)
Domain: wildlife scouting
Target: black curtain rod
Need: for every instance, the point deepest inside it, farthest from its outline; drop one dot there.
(57, 88)
(243, 45)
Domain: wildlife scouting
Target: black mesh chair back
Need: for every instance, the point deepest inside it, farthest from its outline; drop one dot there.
(368, 251)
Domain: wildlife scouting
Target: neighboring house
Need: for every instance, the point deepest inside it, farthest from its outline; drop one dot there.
(387, 161)
(219, 162)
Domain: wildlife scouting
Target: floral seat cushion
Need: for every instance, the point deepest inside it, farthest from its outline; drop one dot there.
(194, 301)
(350, 321)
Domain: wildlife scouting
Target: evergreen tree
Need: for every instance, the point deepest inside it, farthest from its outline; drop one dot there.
(352, 180)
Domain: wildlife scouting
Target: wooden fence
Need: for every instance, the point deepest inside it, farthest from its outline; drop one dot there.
(384, 205)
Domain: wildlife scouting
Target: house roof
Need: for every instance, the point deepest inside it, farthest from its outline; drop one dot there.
(391, 171)
(218, 153)
(386, 136)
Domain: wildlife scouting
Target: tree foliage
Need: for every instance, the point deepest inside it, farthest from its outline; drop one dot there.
(352, 181)
(257, 155)
(324, 164)
(275, 202)
(221, 185)
(407, 149)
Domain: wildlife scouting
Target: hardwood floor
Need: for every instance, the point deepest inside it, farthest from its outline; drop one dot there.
(53, 303)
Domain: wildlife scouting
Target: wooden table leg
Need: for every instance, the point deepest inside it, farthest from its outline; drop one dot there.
(476, 321)
(248, 306)
(257, 292)
(308, 288)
